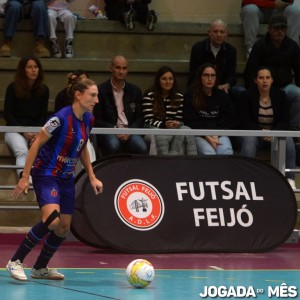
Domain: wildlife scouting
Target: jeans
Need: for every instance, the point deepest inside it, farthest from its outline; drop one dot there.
(19, 145)
(14, 12)
(111, 144)
(251, 16)
(293, 96)
(252, 143)
(204, 148)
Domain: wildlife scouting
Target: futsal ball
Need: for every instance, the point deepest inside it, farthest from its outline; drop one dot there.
(140, 273)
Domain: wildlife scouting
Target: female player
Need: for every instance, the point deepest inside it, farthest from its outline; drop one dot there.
(51, 161)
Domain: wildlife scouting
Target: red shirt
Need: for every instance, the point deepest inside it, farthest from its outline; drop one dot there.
(261, 3)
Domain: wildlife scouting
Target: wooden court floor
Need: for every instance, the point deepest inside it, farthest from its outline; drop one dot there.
(92, 273)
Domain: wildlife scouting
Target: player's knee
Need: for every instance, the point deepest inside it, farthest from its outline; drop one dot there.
(63, 228)
(53, 220)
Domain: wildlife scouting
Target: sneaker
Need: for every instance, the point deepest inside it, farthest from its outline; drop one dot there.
(151, 20)
(46, 273)
(16, 270)
(69, 52)
(129, 19)
(55, 50)
(292, 183)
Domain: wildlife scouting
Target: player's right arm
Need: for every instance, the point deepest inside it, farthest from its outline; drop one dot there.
(23, 184)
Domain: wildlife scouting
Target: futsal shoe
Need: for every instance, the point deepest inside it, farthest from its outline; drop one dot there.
(16, 270)
(46, 273)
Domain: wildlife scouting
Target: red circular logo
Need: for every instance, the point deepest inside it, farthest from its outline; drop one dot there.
(139, 204)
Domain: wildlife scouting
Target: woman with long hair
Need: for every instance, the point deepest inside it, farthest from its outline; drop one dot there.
(207, 107)
(265, 107)
(51, 161)
(162, 108)
(26, 104)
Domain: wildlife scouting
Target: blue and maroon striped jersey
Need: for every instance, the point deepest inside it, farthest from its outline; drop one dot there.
(59, 155)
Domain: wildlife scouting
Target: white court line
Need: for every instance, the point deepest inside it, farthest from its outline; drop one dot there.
(216, 268)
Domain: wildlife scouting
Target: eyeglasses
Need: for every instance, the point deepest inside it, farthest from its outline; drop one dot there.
(207, 75)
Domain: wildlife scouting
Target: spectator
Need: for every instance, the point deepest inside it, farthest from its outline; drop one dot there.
(281, 55)
(264, 107)
(37, 11)
(254, 12)
(207, 107)
(215, 50)
(129, 11)
(26, 104)
(59, 9)
(120, 106)
(162, 107)
(64, 98)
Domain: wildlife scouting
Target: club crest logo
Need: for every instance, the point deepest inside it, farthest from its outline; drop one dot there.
(139, 204)
(54, 192)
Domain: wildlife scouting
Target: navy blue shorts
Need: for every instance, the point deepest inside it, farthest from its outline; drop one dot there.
(55, 190)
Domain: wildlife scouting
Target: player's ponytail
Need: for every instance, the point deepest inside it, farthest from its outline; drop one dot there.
(79, 84)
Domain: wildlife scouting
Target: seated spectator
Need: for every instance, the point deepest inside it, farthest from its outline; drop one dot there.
(26, 104)
(207, 107)
(255, 12)
(280, 54)
(59, 9)
(215, 50)
(129, 11)
(120, 106)
(265, 108)
(37, 11)
(63, 98)
(162, 107)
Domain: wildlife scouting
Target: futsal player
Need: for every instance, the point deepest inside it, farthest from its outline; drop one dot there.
(51, 162)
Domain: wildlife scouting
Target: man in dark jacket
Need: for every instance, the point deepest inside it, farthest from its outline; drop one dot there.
(255, 12)
(120, 106)
(217, 51)
(282, 56)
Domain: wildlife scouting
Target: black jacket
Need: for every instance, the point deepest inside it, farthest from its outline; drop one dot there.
(248, 109)
(225, 61)
(219, 114)
(282, 62)
(105, 111)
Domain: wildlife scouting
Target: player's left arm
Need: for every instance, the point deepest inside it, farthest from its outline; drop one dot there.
(23, 184)
(85, 159)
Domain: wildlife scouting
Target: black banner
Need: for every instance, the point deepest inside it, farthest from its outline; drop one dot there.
(155, 204)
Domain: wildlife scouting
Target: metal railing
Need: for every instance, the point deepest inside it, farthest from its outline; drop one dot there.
(278, 144)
